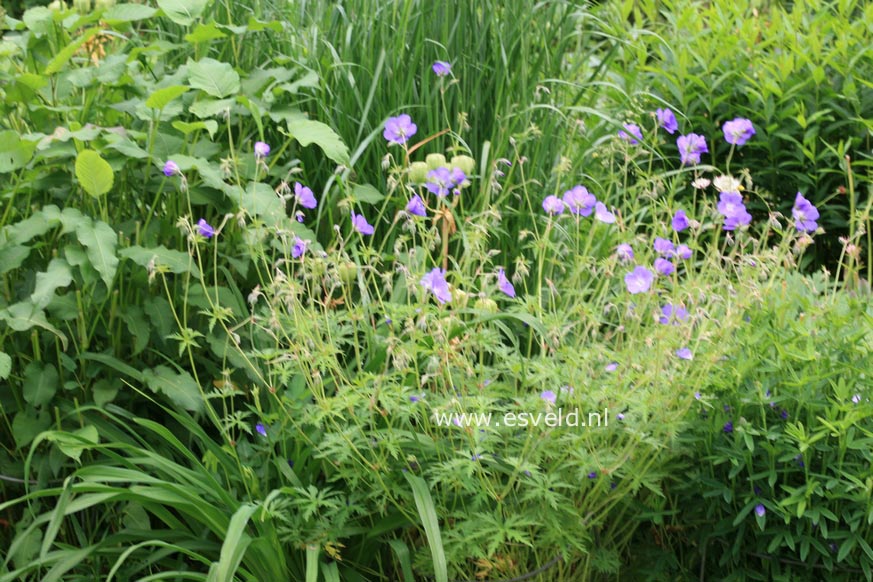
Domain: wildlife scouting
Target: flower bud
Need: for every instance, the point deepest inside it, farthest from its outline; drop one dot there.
(418, 173)
(465, 163)
(347, 271)
(435, 161)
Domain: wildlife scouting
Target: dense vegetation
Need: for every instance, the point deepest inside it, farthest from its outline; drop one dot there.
(263, 262)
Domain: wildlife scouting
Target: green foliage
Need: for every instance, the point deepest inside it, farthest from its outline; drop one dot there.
(799, 71)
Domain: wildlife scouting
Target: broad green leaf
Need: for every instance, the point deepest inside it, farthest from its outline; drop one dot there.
(214, 77)
(204, 33)
(161, 257)
(211, 107)
(39, 20)
(100, 241)
(71, 443)
(5, 366)
(23, 316)
(126, 147)
(94, 173)
(307, 131)
(162, 97)
(57, 276)
(236, 541)
(260, 200)
(40, 383)
(12, 256)
(209, 125)
(181, 388)
(183, 12)
(104, 391)
(27, 425)
(63, 57)
(128, 13)
(15, 153)
(367, 193)
(427, 512)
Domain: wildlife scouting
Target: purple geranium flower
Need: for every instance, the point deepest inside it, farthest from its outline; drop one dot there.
(805, 214)
(579, 200)
(442, 68)
(592, 475)
(667, 120)
(553, 205)
(504, 284)
(548, 396)
(730, 205)
(299, 247)
(361, 225)
(399, 129)
(639, 280)
(439, 181)
(664, 267)
(304, 195)
(728, 427)
(262, 430)
(631, 134)
(684, 354)
(602, 214)
(611, 367)
(664, 247)
(760, 510)
(690, 147)
(171, 168)
(856, 399)
(436, 283)
(205, 229)
(262, 150)
(673, 314)
(416, 206)
(680, 221)
(738, 131)
(624, 252)
(684, 252)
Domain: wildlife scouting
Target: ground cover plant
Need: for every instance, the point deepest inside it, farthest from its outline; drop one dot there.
(298, 293)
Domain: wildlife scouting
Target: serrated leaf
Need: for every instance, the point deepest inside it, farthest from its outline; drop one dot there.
(183, 12)
(367, 193)
(57, 276)
(5, 365)
(40, 383)
(100, 241)
(128, 13)
(181, 388)
(209, 125)
(307, 131)
(214, 77)
(173, 261)
(94, 173)
(162, 97)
